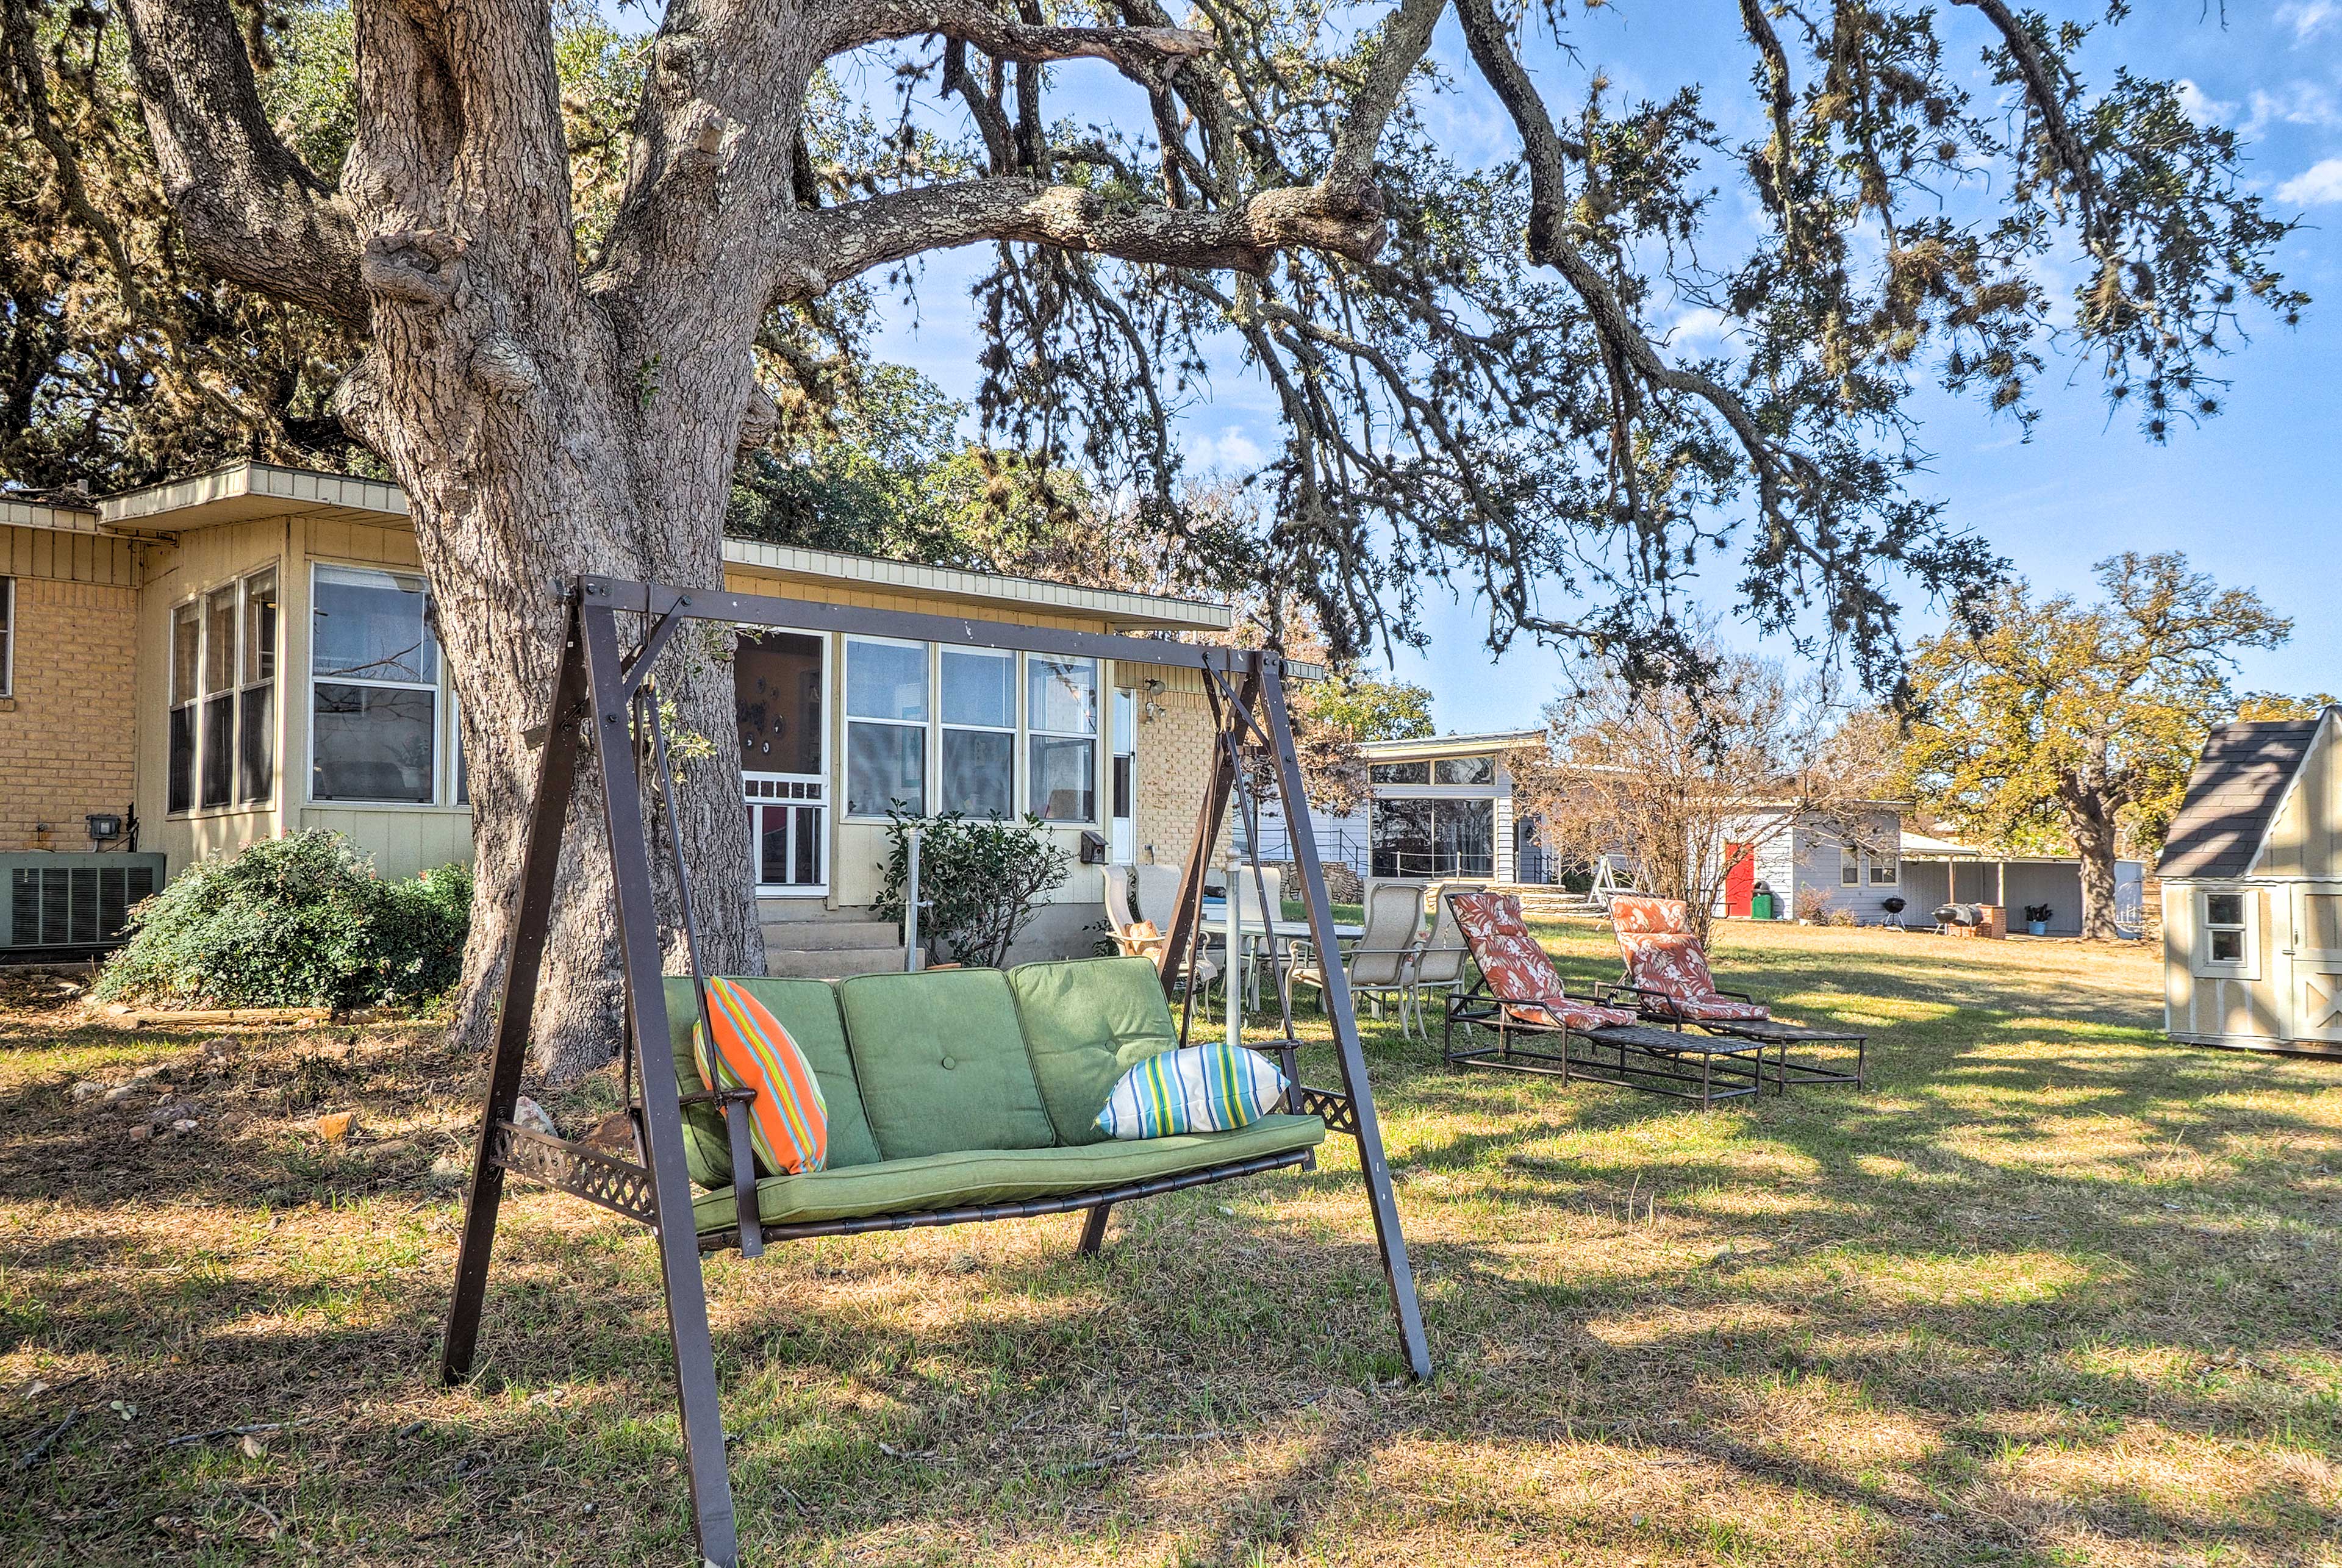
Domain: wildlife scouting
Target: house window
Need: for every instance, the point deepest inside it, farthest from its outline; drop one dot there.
(7, 636)
(1849, 866)
(374, 668)
(1061, 699)
(1464, 771)
(2225, 942)
(979, 732)
(1884, 870)
(1399, 773)
(885, 727)
(256, 690)
(223, 725)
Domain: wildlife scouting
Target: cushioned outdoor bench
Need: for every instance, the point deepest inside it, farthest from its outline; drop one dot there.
(952, 1096)
(960, 1089)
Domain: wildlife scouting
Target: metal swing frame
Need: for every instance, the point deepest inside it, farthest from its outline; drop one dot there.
(603, 709)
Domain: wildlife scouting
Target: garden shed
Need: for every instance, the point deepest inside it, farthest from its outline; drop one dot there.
(2252, 890)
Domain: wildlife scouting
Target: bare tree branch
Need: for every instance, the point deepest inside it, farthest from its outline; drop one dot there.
(1131, 48)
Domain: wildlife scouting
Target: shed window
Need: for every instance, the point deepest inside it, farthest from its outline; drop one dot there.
(2226, 942)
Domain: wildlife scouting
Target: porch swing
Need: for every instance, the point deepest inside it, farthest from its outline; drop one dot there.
(883, 1046)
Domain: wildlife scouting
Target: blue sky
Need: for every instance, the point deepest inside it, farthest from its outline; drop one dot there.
(2251, 497)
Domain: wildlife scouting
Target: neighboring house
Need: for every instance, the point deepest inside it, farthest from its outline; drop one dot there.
(1939, 871)
(1852, 862)
(1438, 807)
(191, 666)
(2252, 890)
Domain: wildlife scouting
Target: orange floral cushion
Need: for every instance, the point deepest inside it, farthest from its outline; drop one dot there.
(1671, 965)
(1517, 968)
(1563, 1014)
(1637, 912)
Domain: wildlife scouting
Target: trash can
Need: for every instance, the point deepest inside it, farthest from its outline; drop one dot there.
(1760, 907)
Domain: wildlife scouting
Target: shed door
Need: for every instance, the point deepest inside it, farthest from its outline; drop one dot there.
(2317, 962)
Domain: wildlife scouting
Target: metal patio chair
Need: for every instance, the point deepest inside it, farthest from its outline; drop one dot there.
(1383, 962)
(1443, 963)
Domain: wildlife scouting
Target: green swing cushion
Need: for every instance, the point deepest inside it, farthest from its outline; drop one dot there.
(1087, 1023)
(808, 1009)
(970, 1177)
(941, 1061)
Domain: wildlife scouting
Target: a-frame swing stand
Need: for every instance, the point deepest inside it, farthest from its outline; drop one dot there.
(604, 711)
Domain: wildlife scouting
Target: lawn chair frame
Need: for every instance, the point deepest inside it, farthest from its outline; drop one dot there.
(1638, 1055)
(1657, 1007)
(604, 705)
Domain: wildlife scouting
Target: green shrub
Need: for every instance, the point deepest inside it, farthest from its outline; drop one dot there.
(300, 921)
(980, 883)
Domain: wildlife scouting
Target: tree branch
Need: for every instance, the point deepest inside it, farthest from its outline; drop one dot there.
(1133, 49)
(1398, 51)
(253, 212)
(837, 243)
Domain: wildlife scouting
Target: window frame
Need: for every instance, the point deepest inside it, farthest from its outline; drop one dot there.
(944, 726)
(1032, 730)
(929, 747)
(442, 698)
(198, 701)
(7, 635)
(2247, 965)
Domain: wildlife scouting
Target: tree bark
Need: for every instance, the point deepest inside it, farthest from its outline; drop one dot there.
(2094, 842)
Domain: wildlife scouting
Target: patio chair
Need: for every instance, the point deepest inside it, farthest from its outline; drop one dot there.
(1519, 993)
(1669, 981)
(1252, 916)
(1443, 962)
(1145, 938)
(1383, 962)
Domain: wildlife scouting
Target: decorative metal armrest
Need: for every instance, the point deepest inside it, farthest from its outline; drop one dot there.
(734, 1104)
(619, 1185)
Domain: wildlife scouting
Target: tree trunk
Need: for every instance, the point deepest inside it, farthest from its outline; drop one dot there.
(542, 432)
(2094, 842)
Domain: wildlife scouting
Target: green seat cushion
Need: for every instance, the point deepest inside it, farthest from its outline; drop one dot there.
(974, 1176)
(941, 1062)
(1087, 1022)
(808, 1009)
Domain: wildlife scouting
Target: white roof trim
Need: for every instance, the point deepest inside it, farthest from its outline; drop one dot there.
(307, 491)
(2318, 738)
(1434, 746)
(55, 519)
(1119, 608)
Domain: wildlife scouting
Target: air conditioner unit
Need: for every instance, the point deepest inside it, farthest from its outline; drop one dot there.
(76, 899)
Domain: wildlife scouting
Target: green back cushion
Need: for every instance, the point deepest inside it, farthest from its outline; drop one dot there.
(1087, 1022)
(941, 1063)
(808, 1009)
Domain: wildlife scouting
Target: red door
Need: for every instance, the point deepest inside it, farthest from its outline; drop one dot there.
(1739, 878)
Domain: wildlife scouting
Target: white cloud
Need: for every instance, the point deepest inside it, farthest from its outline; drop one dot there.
(1697, 326)
(2295, 103)
(2202, 108)
(2308, 17)
(1231, 449)
(2318, 185)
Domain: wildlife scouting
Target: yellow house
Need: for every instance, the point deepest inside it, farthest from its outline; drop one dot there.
(191, 666)
(2252, 890)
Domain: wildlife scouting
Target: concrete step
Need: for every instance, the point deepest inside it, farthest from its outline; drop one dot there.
(831, 962)
(830, 935)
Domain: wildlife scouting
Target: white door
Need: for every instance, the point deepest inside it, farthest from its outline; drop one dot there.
(1122, 839)
(779, 680)
(2317, 960)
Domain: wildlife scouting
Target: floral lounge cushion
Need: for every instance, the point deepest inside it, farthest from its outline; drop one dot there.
(1214, 1088)
(788, 1122)
(1561, 1013)
(1515, 966)
(1671, 966)
(1634, 911)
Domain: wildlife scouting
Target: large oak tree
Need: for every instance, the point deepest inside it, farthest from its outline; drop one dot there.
(1472, 363)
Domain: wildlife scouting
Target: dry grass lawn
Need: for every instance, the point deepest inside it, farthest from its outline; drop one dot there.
(2052, 1292)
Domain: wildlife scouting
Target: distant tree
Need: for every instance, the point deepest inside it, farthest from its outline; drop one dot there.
(1366, 709)
(2065, 725)
(1669, 776)
(2260, 707)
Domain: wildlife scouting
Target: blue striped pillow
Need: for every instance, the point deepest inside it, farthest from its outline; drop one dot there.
(1196, 1089)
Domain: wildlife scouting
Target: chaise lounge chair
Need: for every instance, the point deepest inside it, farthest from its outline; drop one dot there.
(1519, 992)
(1667, 981)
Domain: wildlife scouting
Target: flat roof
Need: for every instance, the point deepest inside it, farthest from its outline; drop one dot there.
(244, 490)
(1431, 747)
(58, 519)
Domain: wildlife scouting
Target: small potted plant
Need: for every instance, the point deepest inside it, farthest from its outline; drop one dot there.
(2036, 918)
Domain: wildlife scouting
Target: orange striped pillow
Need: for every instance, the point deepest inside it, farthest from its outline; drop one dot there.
(789, 1121)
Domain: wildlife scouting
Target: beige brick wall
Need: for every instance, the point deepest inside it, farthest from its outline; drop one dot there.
(1175, 763)
(68, 733)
